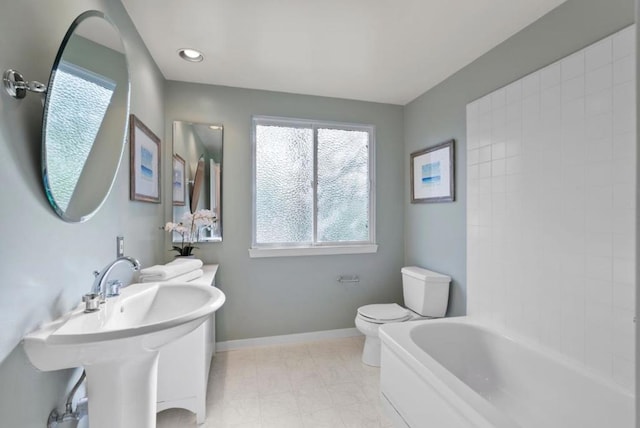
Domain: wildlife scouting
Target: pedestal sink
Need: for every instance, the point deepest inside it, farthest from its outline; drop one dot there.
(118, 346)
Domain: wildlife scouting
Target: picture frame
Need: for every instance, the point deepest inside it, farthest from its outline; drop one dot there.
(145, 165)
(432, 174)
(178, 181)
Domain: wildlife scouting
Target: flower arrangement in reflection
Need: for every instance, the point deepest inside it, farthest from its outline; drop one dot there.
(189, 228)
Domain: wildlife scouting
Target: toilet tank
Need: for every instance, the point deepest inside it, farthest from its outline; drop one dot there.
(425, 292)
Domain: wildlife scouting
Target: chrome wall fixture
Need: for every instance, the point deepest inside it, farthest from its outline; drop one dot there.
(17, 86)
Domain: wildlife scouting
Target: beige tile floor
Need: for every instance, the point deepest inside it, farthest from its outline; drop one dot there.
(315, 384)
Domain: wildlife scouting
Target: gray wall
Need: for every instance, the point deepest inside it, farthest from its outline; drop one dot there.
(285, 295)
(435, 234)
(46, 264)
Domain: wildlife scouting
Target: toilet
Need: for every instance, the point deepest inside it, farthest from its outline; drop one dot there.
(426, 295)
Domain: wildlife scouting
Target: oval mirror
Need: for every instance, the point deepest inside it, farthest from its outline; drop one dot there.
(85, 117)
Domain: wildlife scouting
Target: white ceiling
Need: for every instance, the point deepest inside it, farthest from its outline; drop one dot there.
(374, 50)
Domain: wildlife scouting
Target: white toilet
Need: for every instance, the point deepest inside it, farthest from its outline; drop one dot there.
(426, 295)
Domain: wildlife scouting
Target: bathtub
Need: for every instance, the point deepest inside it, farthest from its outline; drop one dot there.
(455, 372)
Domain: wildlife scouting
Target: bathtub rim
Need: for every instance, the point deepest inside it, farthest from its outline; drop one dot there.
(470, 405)
(531, 345)
(397, 339)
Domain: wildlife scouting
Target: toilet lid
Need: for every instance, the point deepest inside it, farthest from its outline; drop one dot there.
(388, 312)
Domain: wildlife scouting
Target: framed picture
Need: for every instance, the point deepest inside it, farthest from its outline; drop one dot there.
(145, 162)
(178, 181)
(432, 175)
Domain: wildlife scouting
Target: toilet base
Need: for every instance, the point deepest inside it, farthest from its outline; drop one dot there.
(372, 344)
(371, 351)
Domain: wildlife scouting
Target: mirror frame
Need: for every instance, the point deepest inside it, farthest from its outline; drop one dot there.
(56, 64)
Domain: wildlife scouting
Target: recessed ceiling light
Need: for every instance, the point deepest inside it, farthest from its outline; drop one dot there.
(215, 127)
(191, 55)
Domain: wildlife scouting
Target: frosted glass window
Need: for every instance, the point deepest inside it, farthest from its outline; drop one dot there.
(284, 176)
(343, 185)
(312, 183)
(75, 90)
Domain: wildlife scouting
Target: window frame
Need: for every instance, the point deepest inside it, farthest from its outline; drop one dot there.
(314, 247)
(88, 75)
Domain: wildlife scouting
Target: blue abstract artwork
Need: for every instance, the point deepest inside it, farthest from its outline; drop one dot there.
(146, 163)
(431, 174)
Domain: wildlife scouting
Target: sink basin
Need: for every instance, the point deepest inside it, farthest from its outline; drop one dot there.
(148, 314)
(118, 346)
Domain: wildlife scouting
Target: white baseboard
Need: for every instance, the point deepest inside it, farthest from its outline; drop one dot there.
(230, 345)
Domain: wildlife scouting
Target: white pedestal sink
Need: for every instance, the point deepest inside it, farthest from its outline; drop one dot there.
(118, 346)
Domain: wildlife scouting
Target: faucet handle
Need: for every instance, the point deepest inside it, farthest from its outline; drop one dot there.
(113, 288)
(92, 302)
(96, 273)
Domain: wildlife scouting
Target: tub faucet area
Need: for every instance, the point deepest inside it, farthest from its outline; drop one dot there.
(100, 283)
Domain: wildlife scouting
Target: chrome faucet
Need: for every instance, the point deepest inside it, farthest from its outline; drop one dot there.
(100, 284)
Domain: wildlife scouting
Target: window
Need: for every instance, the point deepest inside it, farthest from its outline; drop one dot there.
(312, 187)
(75, 89)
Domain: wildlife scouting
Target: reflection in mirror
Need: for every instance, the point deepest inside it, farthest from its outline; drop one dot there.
(197, 185)
(197, 174)
(85, 117)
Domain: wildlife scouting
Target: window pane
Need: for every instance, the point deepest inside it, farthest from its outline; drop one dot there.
(284, 193)
(343, 185)
(78, 90)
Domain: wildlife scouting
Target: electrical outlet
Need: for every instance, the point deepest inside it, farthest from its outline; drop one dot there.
(120, 246)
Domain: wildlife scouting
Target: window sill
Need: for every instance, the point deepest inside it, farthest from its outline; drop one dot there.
(312, 251)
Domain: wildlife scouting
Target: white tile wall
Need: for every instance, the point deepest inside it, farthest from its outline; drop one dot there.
(551, 206)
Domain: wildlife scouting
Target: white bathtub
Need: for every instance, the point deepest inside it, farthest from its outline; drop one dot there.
(453, 373)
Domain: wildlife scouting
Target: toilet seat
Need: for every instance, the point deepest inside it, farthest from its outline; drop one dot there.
(384, 313)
